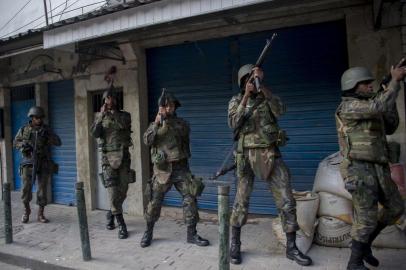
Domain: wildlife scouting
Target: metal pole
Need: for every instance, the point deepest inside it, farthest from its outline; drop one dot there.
(8, 225)
(84, 231)
(224, 227)
(46, 12)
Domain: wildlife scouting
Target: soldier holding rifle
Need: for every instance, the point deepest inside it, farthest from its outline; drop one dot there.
(33, 141)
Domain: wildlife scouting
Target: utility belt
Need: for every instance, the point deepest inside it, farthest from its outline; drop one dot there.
(277, 139)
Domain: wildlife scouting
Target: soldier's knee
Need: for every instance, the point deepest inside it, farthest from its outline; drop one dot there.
(288, 206)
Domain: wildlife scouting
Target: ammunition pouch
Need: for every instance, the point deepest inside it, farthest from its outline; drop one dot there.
(281, 138)
(158, 157)
(196, 186)
(109, 177)
(368, 148)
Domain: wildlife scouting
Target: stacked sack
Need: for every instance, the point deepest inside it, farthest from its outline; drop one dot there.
(335, 209)
(307, 204)
(336, 213)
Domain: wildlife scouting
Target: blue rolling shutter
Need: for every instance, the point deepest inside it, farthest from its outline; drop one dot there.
(199, 75)
(303, 68)
(62, 121)
(22, 99)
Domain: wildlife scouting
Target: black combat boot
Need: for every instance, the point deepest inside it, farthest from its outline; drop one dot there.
(27, 211)
(122, 228)
(147, 237)
(235, 248)
(368, 256)
(41, 217)
(110, 221)
(357, 254)
(194, 238)
(293, 253)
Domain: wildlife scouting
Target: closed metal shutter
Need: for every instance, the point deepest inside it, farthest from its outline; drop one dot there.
(62, 121)
(303, 68)
(22, 99)
(199, 74)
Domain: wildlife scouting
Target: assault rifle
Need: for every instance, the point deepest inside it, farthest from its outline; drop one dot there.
(257, 83)
(34, 159)
(225, 167)
(162, 102)
(260, 61)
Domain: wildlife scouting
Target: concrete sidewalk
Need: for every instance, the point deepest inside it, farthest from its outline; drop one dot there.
(56, 245)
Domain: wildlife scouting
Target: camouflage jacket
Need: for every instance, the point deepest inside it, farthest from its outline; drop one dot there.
(169, 141)
(24, 141)
(113, 131)
(362, 125)
(258, 129)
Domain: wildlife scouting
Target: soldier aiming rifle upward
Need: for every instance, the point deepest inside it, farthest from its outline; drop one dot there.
(253, 114)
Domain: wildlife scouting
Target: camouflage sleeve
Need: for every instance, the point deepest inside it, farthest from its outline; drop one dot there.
(276, 105)
(150, 134)
(235, 112)
(382, 103)
(18, 140)
(53, 139)
(97, 128)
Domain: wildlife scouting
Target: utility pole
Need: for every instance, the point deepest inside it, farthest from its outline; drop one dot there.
(46, 12)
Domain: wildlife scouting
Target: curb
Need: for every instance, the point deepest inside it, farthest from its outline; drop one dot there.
(30, 263)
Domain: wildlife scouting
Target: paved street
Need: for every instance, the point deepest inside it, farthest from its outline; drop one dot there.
(56, 245)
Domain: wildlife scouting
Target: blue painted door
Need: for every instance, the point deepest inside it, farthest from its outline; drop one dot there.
(303, 68)
(62, 121)
(19, 110)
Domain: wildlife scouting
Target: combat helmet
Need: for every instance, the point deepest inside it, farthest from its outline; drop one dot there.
(244, 71)
(354, 75)
(168, 97)
(109, 93)
(36, 111)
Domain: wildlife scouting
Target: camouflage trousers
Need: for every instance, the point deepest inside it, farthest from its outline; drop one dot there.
(179, 178)
(370, 184)
(116, 181)
(267, 164)
(42, 185)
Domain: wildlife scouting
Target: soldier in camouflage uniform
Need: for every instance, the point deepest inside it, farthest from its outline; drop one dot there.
(112, 128)
(168, 137)
(36, 134)
(364, 118)
(255, 115)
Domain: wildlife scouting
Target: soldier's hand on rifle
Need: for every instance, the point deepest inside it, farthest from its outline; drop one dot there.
(399, 72)
(26, 148)
(103, 108)
(258, 72)
(160, 115)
